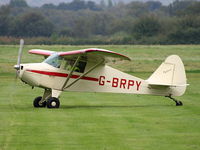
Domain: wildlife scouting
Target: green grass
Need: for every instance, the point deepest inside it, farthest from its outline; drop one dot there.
(89, 121)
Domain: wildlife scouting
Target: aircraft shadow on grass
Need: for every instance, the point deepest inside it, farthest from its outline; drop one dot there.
(22, 108)
(108, 106)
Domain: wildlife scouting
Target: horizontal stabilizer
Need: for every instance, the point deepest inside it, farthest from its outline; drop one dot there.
(168, 85)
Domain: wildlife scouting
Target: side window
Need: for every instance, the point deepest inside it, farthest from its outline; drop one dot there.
(69, 64)
(80, 67)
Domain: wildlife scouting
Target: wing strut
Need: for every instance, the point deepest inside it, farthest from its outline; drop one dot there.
(70, 74)
(92, 68)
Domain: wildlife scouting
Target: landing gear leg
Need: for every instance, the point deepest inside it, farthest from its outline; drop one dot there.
(178, 103)
(40, 101)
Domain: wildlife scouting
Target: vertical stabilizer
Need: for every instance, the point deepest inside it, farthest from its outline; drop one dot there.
(170, 73)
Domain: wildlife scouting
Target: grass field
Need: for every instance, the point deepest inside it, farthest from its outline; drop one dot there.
(98, 121)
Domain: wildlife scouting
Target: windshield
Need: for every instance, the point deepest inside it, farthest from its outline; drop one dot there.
(54, 60)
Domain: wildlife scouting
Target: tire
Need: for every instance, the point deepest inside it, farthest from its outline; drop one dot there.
(53, 102)
(36, 102)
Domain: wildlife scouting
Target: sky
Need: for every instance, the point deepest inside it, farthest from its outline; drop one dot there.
(41, 2)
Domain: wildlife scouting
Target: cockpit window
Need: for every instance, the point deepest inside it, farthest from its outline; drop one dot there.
(80, 66)
(59, 62)
(54, 60)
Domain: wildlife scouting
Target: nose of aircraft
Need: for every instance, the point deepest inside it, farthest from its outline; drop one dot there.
(19, 70)
(25, 75)
(17, 67)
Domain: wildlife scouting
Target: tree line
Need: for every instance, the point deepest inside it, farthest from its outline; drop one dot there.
(85, 22)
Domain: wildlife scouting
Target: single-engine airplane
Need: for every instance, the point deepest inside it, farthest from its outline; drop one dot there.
(86, 71)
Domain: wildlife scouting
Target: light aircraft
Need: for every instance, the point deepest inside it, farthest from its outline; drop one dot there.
(86, 70)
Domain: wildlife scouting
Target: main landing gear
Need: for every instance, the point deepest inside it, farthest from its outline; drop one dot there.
(48, 100)
(51, 102)
(178, 103)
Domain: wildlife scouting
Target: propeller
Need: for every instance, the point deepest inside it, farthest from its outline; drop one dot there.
(17, 66)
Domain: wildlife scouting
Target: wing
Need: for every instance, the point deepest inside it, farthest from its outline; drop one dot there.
(94, 54)
(44, 53)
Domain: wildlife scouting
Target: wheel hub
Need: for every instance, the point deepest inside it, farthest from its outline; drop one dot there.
(40, 103)
(53, 104)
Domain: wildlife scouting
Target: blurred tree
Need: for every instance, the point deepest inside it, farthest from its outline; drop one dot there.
(137, 9)
(4, 20)
(187, 36)
(146, 26)
(49, 6)
(121, 25)
(92, 6)
(18, 3)
(99, 23)
(110, 3)
(33, 25)
(193, 9)
(81, 28)
(187, 30)
(102, 4)
(188, 22)
(66, 32)
(77, 5)
(63, 6)
(153, 5)
(178, 22)
(178, 5)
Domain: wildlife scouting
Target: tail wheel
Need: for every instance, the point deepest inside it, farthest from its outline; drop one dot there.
(53, 102)
(179, 103)
(38, 102)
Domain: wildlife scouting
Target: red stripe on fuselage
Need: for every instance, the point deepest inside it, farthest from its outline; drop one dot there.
(57, 74)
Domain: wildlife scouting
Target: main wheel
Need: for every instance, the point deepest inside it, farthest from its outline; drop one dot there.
(53, 102)
(37, 102)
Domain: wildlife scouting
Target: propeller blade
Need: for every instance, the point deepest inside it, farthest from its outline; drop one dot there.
(20, 52)
(17, 67)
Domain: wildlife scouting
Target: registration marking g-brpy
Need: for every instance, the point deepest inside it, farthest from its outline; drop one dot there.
(120, 83)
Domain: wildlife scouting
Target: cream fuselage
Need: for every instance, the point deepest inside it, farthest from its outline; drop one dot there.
(101, 79)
